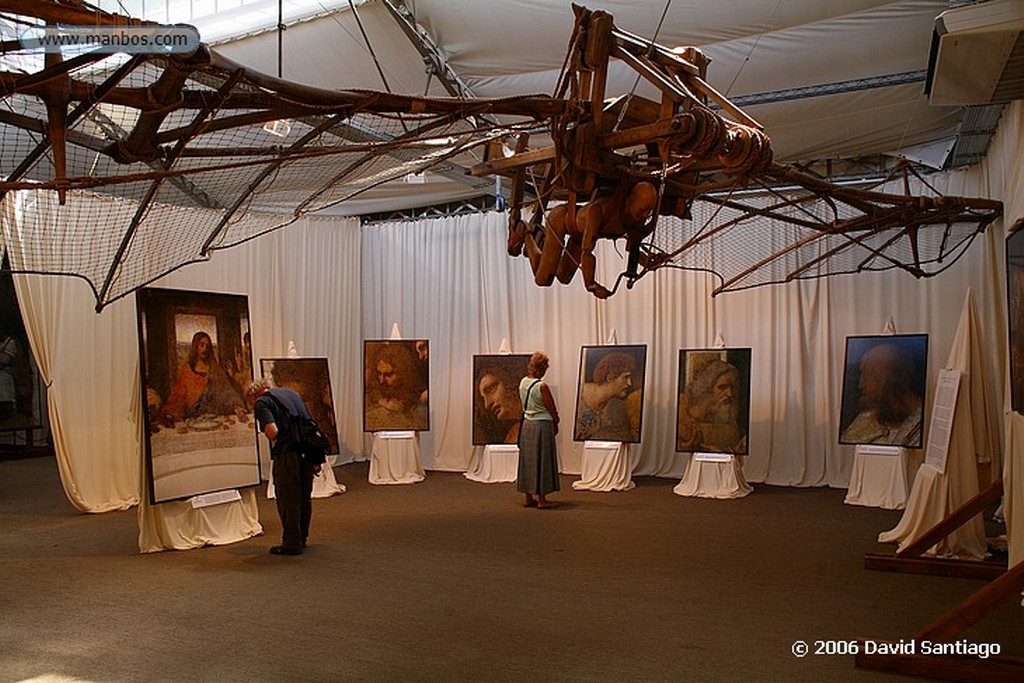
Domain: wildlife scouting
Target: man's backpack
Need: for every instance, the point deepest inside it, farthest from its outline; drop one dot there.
(305, 434)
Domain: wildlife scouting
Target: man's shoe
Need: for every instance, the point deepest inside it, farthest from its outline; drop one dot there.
(284, 550)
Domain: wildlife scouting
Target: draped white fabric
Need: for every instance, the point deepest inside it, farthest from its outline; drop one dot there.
(451, 282)
(937, 495)
(303, 286)
(90, 363)
(327, 285)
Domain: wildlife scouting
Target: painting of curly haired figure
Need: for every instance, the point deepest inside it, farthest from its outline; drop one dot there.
(496, 406)
(713, 413)
(395, 381)
(310, 379)
(610, 394)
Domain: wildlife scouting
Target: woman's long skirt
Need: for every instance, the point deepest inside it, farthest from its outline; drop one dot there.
(538, 458)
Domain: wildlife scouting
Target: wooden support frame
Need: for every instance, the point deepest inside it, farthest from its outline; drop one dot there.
(916, 658)
(911, 559)
(945, 629)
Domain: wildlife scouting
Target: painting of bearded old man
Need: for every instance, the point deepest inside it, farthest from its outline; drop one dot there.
(497, 409)
(713, 414)
(396, 377)
(883, 390)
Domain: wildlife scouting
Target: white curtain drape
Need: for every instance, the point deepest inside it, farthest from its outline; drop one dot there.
(327, 285)
(89, 363)
(450, 281)
(303, 286)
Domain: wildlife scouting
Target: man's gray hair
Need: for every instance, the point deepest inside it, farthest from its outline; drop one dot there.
(257, 387)
(705, 378)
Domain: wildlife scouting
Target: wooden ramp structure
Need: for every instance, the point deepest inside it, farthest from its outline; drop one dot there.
(1004, 585)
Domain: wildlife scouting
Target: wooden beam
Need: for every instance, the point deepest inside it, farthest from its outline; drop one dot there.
(978, 606)
(935, 566)
(945, 667)
(955, 520)
(516, 161)
(638, 135)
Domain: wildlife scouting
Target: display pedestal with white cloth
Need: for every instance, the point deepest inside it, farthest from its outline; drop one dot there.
(605, 467)
(495, 463)
(395, 458)
(926, 507)
(713, 475)
(879, 477)
(324, 484)
(938, 491)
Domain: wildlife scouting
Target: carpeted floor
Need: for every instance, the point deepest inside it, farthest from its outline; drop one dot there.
(451, 580)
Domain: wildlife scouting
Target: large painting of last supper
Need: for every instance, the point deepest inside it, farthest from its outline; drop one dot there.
(196, 362)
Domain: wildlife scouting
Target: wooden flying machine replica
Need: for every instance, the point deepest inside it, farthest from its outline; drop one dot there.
(629, 159)
(169, 130)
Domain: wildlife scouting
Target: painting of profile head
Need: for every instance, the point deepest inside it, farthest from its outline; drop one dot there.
(310, 379)
(1015, 308)
(713, 408)
(396, 374)
(610, 394)
(883, 390)
(496, 406)
(196, 362)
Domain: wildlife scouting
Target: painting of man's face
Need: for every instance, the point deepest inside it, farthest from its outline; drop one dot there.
(1015, 308)
(395, 385)
(609, 397)
(310, 379)
(496, 405)
(713, 410)
(883, 390)
(199, 427)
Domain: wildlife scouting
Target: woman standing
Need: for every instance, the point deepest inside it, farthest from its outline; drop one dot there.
(538, 453)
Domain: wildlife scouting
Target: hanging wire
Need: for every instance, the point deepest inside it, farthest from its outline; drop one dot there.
(906, 128)
(369, 46)
(753, 47)
(636, 82)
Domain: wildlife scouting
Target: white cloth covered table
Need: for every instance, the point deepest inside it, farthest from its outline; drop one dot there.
(395, 458)
(926, 507)
(879, 477)
(605, 466)
(495, 463)
(713, 475)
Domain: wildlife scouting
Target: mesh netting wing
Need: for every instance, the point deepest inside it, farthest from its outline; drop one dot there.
(801, 228)
(143, 163)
